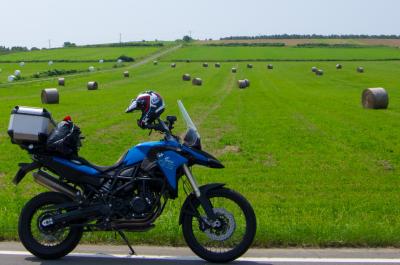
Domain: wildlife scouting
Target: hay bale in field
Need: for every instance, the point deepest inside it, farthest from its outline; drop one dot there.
(101, 61)
(217, 65)
(119, 61)
(243, 83)
(50, 63)
(92, 85)
(126, 74)
(50, 96)
(270, 66)
(375, 98)
(360, 69)
(155, 62)
(17, 73)
(205, 64)
(61, 81)
(249, 65)
(338, 66)
(319, 72)
(91, 68)
(233, 70)
(11, 78)
(173, 65)
(197, 81)
(21, 64)
(314, 69)
(186, 77)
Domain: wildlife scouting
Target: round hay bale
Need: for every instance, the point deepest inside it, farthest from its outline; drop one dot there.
(92, 85)
(186, 77)
(360, 69)
(233, 70)
(119, 61)
(126, 74)
(21, 64)
(319, 72)
(247, 82)
(173, 65)
(205, 64)
(242, 84)
(375, 98)
(17, 73)
(101, 61)
(11, 78)
(217, 65)
(91, 68)
(50, 63)
(197, 81)
(314, 69)
(338, 66)
(155, 62)
(50, 96)
(61, 81)
(270, 66)
(249, 65)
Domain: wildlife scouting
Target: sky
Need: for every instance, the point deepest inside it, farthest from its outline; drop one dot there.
(35, 22)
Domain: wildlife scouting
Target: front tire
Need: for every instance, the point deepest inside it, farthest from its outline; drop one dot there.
(216, 246)
(46, 244)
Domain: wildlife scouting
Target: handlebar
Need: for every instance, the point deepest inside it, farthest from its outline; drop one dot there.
(162, 127)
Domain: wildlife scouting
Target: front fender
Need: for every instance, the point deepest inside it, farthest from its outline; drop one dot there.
(187, 205)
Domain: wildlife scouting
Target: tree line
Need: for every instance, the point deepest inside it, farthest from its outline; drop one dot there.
(312, 36)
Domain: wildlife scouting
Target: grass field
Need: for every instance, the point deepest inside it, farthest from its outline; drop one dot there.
(31, 68)
(79, 53)
(201, 52)
(318, 168)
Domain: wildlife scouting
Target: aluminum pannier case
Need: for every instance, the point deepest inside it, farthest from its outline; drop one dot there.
(30, 125)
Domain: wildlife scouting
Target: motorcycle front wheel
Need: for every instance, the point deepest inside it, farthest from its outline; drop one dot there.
(233, 235)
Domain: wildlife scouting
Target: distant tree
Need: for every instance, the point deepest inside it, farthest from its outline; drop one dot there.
(34, 49)
(18, 49)
(187, 38)
(68, 44)
(125, 58)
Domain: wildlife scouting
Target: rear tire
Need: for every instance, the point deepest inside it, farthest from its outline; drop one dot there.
(239, 249)
(27, 237)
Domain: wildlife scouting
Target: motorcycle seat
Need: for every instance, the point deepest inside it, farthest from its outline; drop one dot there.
(103, 168)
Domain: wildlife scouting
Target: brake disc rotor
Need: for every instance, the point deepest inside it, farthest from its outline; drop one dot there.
(228, 226)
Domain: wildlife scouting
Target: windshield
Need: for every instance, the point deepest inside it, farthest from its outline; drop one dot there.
(192, 136)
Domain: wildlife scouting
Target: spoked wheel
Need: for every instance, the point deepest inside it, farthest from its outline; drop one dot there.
(231, 234)
(37, 233)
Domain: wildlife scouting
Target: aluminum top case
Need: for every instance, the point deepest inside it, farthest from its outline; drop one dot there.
(30, 125)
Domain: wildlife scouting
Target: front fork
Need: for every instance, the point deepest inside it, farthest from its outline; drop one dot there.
(204, 201)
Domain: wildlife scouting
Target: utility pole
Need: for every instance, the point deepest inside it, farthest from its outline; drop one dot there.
(120, 38)
(49, 44)
(190, 33)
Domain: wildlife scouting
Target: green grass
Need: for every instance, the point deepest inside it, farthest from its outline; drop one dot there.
(318, 168)
(106, 53)
(200, 52)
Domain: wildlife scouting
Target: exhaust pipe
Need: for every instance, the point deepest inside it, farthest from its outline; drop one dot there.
(54, 184)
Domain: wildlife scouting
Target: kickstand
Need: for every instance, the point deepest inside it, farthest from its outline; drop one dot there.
(126, 241)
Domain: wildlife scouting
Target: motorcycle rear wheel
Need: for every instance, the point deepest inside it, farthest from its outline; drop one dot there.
(46, 244)
(223, 244)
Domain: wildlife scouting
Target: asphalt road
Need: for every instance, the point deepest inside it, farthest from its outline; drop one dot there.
(14, 254)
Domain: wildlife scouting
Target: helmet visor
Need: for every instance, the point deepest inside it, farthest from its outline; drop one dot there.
(133, 106)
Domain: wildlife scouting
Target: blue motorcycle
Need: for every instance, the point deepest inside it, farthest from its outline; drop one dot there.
(218, 223)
